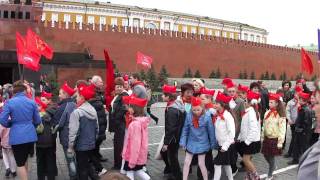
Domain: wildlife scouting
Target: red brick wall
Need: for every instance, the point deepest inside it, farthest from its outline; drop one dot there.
(177, 53)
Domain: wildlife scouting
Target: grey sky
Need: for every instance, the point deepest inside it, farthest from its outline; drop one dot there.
(289, 22)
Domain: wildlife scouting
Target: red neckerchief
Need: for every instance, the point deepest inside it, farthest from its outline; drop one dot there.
(195, 122)
(186, 101)
(80, 103)
(128, 118)
(208, 106)
(215, 117)
(272, 111)
(169, 104)
(234, 97)
(138, 83)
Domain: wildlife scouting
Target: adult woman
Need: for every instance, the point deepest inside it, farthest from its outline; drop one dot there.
(24, 117)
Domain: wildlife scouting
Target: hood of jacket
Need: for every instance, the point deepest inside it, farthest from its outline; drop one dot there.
(178, 104)
(87, 110)
(144, 121)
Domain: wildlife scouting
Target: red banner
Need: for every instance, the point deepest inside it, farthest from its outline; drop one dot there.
(306, 63)
(36, 44)
(110, 86)
(144, 60)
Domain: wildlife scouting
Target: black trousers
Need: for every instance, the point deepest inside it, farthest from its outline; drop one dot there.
(155, 118)
(301, 144)
(96, 158)
(209, 164)
(293, 135)
(314, 138)
(83, 165)
(172, 151)
(46, 163)
(118, 146)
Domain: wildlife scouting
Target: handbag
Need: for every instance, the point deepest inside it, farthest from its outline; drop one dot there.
(158, 156)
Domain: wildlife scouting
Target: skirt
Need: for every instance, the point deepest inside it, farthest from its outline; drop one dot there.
(21, 152)
(136, 168)
(226, 158)
(253, 148)
(269, 147)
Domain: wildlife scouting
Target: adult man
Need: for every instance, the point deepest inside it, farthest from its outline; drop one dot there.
(98, 103)
(138, 87)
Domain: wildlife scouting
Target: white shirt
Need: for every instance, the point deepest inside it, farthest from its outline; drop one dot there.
(250, 127)
(225, 130)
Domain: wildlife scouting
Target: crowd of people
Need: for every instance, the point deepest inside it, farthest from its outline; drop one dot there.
(238, 120)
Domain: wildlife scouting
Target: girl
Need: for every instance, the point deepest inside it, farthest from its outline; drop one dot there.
(273, 132)
(135, 149)
(197, 137)
(225, 133)
(249, 136)
(7, 154)
(313, 107)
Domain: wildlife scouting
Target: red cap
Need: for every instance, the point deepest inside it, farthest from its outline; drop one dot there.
(133, 100)
(226, 81)
(304, 96)
(68, 89)
(126, 77)
(169, 89)
(206, 91)
(195, 101)
(300, 81)
(230, 85)
(223, 98)
(252, 95)
(243, 88)
(46, 95)
(87, 92)
(298, 89)
(273, 96)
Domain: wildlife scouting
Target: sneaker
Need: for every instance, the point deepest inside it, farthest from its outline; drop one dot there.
(7, 174)
(235, 172)
(102, 159)
(14, 174)
(103, 171)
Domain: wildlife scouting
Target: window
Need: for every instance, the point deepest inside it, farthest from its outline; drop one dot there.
(5, 14)
(13, 15)
(185, 29)
(176, 27)
(90, 19)
(27, 15)
(103, 20)
(20, 15)
(167, 26)
(258, 39)
(202, 31)
(114, 21)
(151, 25)
(217, 33)
(54, 17)
(224, 34)
(210, 32)
(193, 30)
(125, 22)
(252, 37)
(232, 35)
(136, 22)
(66, 18)
(245, 36)
(78, 18)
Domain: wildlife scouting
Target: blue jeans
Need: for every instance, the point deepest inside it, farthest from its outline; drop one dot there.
(71, 162)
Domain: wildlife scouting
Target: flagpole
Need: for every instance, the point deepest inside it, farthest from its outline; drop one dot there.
(19, 68)
(22, 73)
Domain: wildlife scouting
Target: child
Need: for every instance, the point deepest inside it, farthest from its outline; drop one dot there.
(225, 133)
(273, 132)
(135, 149)
(249, 136)
(197, 137)
(174, 120)
(7, 154)
(46, 144)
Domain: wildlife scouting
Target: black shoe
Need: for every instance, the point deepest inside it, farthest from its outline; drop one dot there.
(7, 174)
(293, 162)
(14, 174)
(287, 155)
(166, 170)
(156, 120)
(102, 159)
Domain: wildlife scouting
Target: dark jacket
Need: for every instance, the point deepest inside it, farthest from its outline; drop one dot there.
(264, 104)
(47, 138)
(83, 128)
(61, 119)
(117, 114)
(98, 105)
(174, 120)
(304, 120)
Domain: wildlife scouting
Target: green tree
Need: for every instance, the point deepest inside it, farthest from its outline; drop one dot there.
(273, 76)
(152, 79)
(163, 75)
(197, 74)
(266, 76)
(226, 75)
(281, 77)
(218, 73)
(240, 75)
(314, 78)
(213, 74)
(252, 75)
(299, 76)
(245, 75)
(142, 75)
(284, 76)
(187, 73)
(262, 77)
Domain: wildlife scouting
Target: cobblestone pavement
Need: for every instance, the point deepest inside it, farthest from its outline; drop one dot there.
(155, 167)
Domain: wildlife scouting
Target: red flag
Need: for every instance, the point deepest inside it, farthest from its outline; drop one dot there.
(26, 57)
(144, 60)
(36, 44)
(109, 79)
(306, 63)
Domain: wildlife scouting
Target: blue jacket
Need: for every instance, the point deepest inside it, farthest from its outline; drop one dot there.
(61, 119)
(201, 139)
(24, 116)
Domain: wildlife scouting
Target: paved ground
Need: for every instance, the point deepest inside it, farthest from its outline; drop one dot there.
(155, 167)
